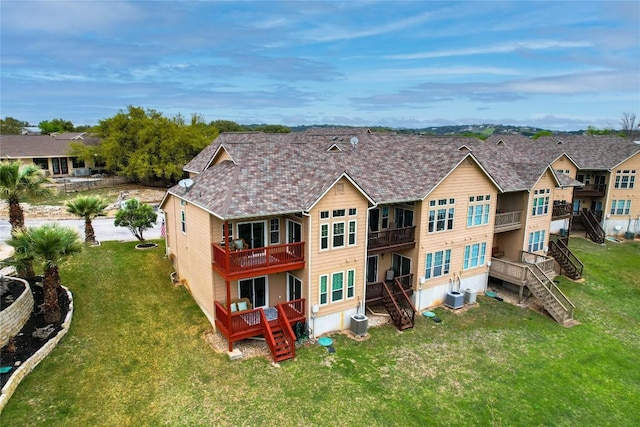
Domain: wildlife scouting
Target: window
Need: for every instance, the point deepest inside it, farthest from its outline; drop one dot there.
(77, 163)
(352, 233)
(338, 234)
(229, 233)
(625, 178)
(183, 221)
(620, 207)
(324, 214)
(338, 213)
(42, 163)
(353, 211)
(401, 265)
(324, 236)
(478, 213)
(384, 218)
(438, 263)
(274, 231)
(536, 241)
(323, 289)
(404, 218)
(337, 286)
(474, 255)
(351, 283)
(441, 219)
(540, 202)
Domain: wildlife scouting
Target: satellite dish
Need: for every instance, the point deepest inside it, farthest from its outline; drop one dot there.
(354, 140)
(185, 183)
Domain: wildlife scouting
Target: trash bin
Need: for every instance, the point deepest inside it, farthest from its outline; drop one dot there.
(469, 296)
(359, 324)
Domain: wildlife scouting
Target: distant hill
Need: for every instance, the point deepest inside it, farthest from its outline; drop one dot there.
(482, 131)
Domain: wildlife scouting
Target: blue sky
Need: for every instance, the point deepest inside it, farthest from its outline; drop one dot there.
(551, 64)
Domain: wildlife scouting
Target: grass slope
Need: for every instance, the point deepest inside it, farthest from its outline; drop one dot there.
(135, 356)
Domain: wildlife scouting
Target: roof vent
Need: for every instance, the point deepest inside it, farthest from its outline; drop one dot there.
(559, 142)
(334, 148)
(501, 142)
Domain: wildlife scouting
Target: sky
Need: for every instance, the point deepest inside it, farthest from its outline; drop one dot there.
(550, 64)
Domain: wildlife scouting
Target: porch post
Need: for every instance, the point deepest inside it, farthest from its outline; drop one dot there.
(228, 283)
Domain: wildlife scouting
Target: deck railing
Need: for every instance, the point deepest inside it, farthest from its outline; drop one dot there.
(503, 268)
(506, 221)
(255, 259)
(591, 190)
(544, 262)
(375, 289)
(561, 210)
(391, 237)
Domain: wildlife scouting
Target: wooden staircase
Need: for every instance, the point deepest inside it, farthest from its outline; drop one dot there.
(570, 264)
(553, 300)
(592, 226)
(398, 304)
(280, 337)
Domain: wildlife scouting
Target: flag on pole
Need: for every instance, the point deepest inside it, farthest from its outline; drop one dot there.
(163, 229)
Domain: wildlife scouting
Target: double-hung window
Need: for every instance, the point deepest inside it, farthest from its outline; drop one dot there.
(474, 255)
(620, 207)
(536, 241)
(324, 236)
(338, 234)
(337, 286)
(352, 233)
(437, 264)
(478, 211)
(324, 293)
(441, 215)
(351, 283)
(274, 233)
(540, 202)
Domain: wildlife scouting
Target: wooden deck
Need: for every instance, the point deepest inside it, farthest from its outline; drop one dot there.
(515, 271)
(393, 239)
(507, 221)
(233, 265)
(250, 323)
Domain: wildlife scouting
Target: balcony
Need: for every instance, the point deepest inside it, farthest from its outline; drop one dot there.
(233, 265)
(507, 221)
(561, 210)
(393, 239)
(591, 190)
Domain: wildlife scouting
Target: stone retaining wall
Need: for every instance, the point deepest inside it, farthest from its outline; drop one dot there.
(13, 318)
(29, 365)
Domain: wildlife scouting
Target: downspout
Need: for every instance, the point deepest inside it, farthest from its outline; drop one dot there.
(309, 312)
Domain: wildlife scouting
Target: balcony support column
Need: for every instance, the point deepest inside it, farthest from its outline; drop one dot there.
(228, 284)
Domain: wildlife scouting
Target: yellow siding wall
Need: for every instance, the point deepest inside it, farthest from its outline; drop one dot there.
(539, 222)
(511, 241)
(465, 181)
(564, 164)
(340, 259)
(632, 194)
(192, 250)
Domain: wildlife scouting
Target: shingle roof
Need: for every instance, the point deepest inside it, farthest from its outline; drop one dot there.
(25, 146)
(289, 172)
(277, 173)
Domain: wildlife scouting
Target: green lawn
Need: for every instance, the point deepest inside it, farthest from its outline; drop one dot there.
(135, 356)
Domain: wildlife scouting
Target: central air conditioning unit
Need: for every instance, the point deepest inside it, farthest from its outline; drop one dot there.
(359, 325)
(454, 299)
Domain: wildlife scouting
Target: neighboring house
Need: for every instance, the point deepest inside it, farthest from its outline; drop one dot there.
(50, 152)
(273, 230)
(606, 166)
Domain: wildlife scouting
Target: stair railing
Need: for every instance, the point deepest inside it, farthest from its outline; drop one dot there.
(592, 227)
(406, 303)
(268, 334)
(559, 247)
(541, 278)
(392, 306)
(287, 330)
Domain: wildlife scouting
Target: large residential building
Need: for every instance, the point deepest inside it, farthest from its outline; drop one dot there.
(272, 232)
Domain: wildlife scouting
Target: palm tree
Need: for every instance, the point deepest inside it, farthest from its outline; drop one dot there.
(50, 244)
(88, 207)
(16, 181)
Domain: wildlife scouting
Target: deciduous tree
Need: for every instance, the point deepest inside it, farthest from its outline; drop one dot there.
(137, 217)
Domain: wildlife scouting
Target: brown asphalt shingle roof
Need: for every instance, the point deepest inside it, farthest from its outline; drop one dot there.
(26, 146)
(278, 173)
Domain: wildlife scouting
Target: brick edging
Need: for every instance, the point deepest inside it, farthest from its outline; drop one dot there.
(36, 358)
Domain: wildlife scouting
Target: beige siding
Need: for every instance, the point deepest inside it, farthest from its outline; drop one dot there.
(511, 242)
(632, 194)
(342, 196)
(465, 181)
(564, 164)
(192, 250)
(539, 222)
